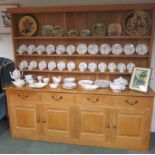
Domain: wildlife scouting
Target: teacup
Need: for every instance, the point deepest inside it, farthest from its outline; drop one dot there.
(46, 80)
(28, 77)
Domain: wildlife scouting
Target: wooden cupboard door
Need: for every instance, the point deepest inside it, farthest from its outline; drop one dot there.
(25, 121)
(56, 120)
(130, 127)
(94, 125)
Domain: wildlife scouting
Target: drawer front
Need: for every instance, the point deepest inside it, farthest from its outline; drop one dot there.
(56, 98)
(126, 101)
(25, 96)
(93, 99)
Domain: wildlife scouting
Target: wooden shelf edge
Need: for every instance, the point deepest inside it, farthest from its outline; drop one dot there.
(83, 55)
(91, 37)
(76, 72)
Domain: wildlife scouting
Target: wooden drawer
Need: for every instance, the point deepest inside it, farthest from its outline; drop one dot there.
(24, 96)
(127, 101)
(56, 98)
(93, 99)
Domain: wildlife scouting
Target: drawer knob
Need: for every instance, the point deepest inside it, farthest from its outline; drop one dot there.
(96, 100)
(131, 103)
(57, 99)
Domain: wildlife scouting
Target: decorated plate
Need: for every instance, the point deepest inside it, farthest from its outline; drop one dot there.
(98, 29)
(137, 23)
(27, 26)
(114, 29)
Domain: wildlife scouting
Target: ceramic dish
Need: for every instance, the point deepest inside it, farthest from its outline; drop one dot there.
(23, 64)
(41, 49)
(22, 49)
(52, 65)
(42, 65)
(70, 49)
(89, 87)
(114, 29)
(141, 49)
(129, 49)
(60, 49)
(37, 85)
(81, 49)
(137, 23)
(98, 29)
(61, 65)
(32, 65)
(27, 25)
(112, 67)
(93, 49)
(85, 82)
(73, 33)
(47, 30)
(105, 49)
(117, 49)
(102, 67)
(31, 49)
(121, 67)
(103, 83)
(83, 66)
(69, 85)
(58, 31)
(92, 66)
(130, 67)
(71, 65)
(85, 33)
(69, 79)
(50, 49)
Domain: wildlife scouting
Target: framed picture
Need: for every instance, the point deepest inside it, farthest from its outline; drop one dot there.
(5, 20)
(140, 79)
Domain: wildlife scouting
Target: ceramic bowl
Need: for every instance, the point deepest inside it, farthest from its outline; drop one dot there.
(121, 81)
(56, 79)
(85, 82)
(117, 87)
(89, 87)
(69, 85)
(103, 83)
(69, 79)
(54, 85)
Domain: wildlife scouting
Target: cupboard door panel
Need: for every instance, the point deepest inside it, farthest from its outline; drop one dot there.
(25, 121)
(130, 127)
(56, 121)
(93, 125)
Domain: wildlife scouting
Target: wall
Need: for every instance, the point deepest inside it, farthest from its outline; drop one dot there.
(6, 44)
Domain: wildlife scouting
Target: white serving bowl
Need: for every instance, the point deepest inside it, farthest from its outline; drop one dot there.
(69, 79)
(89, 87)
(85, 82)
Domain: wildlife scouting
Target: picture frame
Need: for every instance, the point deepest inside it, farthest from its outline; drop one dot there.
(140, 79)
(5, 20)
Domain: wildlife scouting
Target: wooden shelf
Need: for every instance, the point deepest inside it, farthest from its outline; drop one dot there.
(79, 37)
(74, 72)
(85, 55)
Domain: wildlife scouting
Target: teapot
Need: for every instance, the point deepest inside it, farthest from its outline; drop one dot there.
(19, 83)
(16, 74)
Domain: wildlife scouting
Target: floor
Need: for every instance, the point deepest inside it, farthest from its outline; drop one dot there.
(12, 146)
